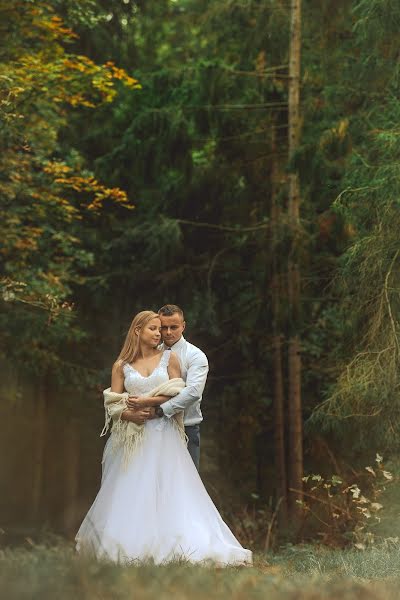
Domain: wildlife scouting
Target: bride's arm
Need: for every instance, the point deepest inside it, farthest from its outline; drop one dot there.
(117, 379)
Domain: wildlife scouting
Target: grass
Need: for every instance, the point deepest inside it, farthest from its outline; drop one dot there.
(298, 572)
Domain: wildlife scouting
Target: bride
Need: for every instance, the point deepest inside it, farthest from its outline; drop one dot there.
(152, 504)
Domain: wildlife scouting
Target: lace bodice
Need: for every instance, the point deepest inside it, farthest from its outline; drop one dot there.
(138, 385)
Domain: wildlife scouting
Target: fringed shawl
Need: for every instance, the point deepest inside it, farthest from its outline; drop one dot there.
(130, 435)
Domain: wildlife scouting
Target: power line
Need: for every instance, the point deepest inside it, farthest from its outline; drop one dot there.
(256, 227)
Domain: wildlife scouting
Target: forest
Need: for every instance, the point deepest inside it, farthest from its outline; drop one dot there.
(238, 158)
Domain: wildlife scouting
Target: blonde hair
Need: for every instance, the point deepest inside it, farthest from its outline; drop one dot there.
(131, 348)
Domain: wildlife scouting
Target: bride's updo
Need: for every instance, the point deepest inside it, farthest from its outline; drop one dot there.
(131, 348)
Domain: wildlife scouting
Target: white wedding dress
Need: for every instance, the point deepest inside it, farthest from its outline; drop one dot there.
(157, 508)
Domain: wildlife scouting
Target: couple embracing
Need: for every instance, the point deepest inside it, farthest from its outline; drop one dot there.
(152, 504)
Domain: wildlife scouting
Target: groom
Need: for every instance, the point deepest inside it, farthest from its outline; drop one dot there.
(194, 370)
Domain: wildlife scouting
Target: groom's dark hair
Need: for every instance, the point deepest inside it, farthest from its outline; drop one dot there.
(171, 309)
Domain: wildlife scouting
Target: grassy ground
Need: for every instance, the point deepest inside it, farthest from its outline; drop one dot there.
(301, 572)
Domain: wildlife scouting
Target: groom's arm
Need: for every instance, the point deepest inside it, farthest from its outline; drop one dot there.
(195, 382)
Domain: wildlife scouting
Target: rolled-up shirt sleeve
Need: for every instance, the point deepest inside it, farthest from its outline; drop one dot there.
(195, 382)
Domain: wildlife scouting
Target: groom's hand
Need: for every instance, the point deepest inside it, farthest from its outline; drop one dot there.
(152, 414)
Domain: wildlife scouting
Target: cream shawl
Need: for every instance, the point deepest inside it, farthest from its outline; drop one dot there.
(130, 435)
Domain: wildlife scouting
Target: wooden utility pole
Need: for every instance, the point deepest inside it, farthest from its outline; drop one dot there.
(277, 343)
(294, 357)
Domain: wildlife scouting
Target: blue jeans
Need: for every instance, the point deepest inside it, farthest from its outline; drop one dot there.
(193, 433)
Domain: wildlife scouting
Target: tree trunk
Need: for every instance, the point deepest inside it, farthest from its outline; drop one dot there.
(71, 475)
(279, 430)
(294, 358)
(39, 451)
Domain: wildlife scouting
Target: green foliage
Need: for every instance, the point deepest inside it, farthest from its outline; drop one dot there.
(43, 201)
(365, 400)
(348, 511)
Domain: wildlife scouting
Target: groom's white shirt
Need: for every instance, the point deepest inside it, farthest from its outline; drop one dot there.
(194, 370)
